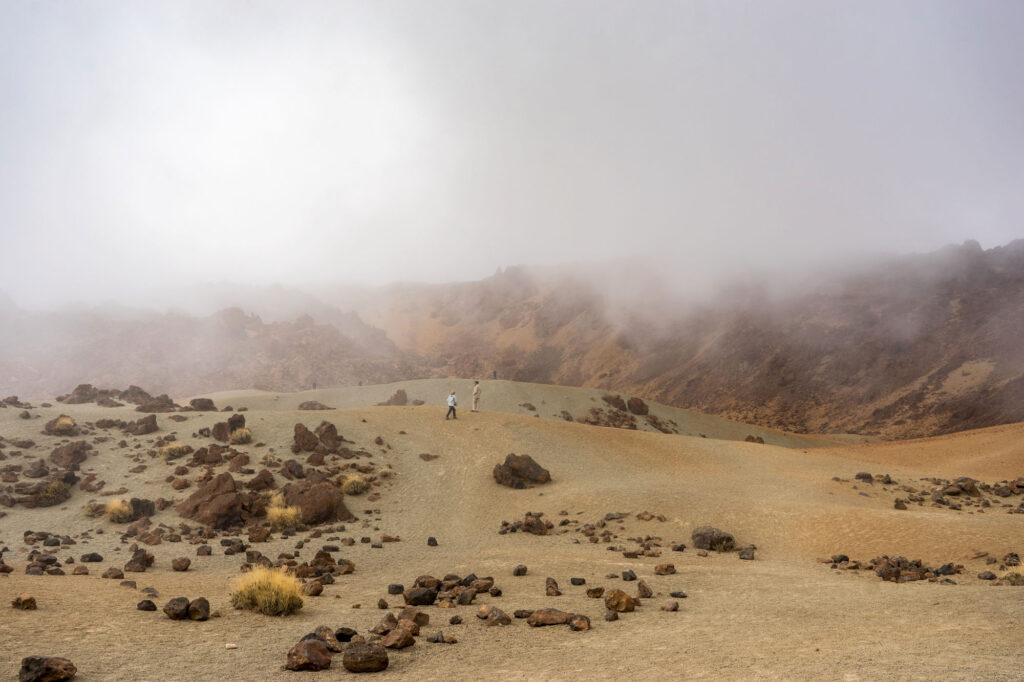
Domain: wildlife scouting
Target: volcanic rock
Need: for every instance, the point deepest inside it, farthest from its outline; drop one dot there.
(46, 669)
(519, 471)
(707, 537)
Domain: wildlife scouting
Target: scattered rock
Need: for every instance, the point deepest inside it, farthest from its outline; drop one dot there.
(24, 602)
(181, 564)
(617, 600)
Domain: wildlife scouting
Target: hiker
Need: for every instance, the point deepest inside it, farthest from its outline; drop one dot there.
(452, 402)
(476, 395)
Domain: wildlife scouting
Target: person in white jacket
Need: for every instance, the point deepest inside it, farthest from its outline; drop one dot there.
(452, 402)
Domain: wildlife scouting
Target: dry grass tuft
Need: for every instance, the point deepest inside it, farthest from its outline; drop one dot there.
(54, 493)
(64, 425)
(282, 516)
(240, 436)
(118, 511)
(174, 451)
(267, 591)
(354, 485)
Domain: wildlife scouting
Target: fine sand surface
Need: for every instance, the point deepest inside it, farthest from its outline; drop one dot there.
(782, 616)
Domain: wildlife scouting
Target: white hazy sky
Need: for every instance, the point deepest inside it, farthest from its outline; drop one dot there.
(153, 144)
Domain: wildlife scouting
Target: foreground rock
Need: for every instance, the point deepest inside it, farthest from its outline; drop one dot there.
(365, 657)
(46, 669)
(520, 471)
(309, 654)
(710, 538)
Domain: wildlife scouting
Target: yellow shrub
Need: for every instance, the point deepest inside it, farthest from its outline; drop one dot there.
(118, 511)
(386, 472)
(266, 591)
(354, 485)
(282, 517)
(240, 436)
(276, 499)
(64, 425)
(174, 451)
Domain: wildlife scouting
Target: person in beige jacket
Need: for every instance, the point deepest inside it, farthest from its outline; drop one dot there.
(476, 395)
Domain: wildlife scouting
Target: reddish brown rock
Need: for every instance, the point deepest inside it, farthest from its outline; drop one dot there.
(617, 600)
(319, 502)
(218, 503)
(664, 569)
(542, 617)
(520, 471)
(309, 654)
(365, 657)
(181, 564)
(71, 455)
(46, 669)
(24, 602)
(398, 638)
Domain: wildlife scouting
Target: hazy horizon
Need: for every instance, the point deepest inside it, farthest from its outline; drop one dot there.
(147, 147)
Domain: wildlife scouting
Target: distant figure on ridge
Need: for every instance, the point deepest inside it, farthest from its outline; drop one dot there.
(452, 402)
(476, 395)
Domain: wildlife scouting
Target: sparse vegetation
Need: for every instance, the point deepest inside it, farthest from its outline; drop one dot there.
(118, 511)
(269, 460)
(267, 591)
(54, 493)
(354, 484)
(240, 436)
(386, 473)
(94, 509)
(283, 516)
(1016, 579)
(63, 426)
(173, 451)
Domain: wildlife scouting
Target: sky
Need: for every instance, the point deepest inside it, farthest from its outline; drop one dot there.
(161, 144)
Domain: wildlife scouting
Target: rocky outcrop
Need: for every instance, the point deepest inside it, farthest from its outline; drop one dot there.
(319, 501)
(218, 503)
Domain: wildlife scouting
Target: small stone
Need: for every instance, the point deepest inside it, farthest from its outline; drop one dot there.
(395, 588)
(382, 603)
(146, 605)
(678, 594)
(181, 564)
(595, 592)
(431, 541)
(578, 581)
(519, 570)
(664, 569)
(399, 638)
(230, 646)
(24, 602)
(455, 620)
(628, 575)
(610, 615)
(747, 553)
(643, 590)
(177, 608)
(670, 605)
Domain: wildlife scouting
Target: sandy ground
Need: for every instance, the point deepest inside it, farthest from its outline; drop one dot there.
(783, 616)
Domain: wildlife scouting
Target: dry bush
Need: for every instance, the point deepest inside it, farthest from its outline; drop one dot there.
(354, 485)
(174, 451)
(269, 460)
(267, 591)
(282, 517)
(386, 472)
(118, 511)
(240, 436)
(1015, 579)
(54, 493)
(94, 509)
(64, 425)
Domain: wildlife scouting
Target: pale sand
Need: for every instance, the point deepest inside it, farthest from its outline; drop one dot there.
(783, 616)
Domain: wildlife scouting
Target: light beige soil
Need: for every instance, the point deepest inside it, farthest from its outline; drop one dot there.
(783, 616)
